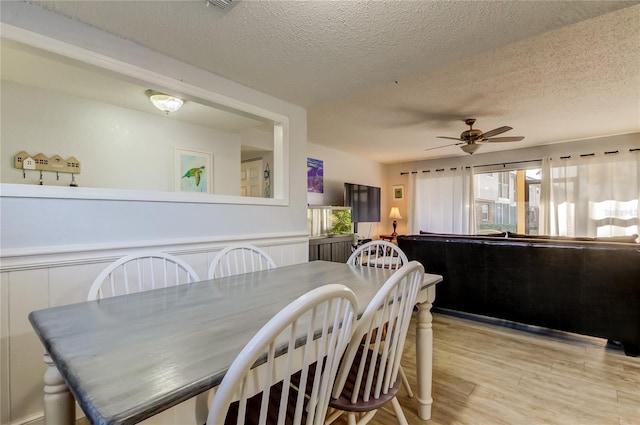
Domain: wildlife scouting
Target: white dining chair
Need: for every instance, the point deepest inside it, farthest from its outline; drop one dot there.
(385, 255)
(378, 253)
(238, 259)
(141, 272)
(284, 375)
(369, 373)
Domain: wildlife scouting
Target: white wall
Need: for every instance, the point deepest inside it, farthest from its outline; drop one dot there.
(63, 222)
(118, 148)
(596, 145)
(340, 168)
(51, 248)
(258, 138)
(36, 282)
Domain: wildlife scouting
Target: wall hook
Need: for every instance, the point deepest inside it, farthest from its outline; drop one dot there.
(40, 182)
(73, 181)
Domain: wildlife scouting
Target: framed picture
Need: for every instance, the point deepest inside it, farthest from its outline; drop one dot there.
(398, 192)
(315, 175)
(193, 171)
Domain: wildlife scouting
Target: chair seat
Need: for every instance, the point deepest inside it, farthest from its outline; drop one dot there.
(344, 401)
(252, 415)
(370, 374)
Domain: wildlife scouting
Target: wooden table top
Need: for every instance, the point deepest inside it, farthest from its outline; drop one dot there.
(130, 357)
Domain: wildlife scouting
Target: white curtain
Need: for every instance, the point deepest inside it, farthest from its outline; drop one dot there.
(442, 201)
(594, 196)
(545, 198)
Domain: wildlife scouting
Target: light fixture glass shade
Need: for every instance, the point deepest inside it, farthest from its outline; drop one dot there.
(164, 102)
(395, 213)
(470, 148)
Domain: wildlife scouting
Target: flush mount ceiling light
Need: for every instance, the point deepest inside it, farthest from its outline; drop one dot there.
(164, 102)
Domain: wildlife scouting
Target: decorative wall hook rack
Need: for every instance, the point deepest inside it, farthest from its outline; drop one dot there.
(41, 162)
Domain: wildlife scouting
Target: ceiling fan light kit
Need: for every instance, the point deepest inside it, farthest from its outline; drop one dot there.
(470, 138)
(470, 148)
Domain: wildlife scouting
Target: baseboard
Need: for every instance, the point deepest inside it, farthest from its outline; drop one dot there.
(532, 329)
(39, 420)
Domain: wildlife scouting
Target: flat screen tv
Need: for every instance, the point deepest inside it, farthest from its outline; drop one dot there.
(364, 202)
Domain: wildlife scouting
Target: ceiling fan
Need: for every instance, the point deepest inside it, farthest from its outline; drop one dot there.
(469, 139)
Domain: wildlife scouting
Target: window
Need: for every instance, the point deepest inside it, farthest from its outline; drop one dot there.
(505, 187)
(508, 201)
(595, 196)
(485, 212)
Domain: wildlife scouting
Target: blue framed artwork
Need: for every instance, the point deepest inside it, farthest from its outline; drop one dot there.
(315, 172)
(193, 171)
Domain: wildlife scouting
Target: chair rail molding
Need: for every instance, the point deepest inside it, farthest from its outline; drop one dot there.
(15, 259)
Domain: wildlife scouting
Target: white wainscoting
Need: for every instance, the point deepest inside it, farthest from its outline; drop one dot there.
(51, 276)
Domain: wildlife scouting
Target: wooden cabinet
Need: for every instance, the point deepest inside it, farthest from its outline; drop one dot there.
(333, 248)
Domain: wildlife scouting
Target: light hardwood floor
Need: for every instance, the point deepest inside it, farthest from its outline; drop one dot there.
(488, 374)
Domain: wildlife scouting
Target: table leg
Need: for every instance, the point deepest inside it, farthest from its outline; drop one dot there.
(59, 405)
(424, 357)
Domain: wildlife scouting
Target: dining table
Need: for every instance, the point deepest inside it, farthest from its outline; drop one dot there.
(127, 358)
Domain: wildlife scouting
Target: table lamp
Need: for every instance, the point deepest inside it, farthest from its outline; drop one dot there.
(395, 214)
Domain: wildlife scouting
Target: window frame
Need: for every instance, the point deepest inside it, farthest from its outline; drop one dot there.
(505, 213)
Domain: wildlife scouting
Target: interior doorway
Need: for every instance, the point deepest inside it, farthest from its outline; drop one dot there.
(251, 180)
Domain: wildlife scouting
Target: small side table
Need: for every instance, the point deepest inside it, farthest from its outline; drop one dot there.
(389, 238)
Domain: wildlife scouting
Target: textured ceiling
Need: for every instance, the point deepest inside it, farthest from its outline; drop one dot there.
(382, 79)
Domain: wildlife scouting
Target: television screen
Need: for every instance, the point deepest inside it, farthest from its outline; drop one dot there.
(364, 202)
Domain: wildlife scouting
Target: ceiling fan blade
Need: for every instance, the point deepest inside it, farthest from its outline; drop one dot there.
(451, 138)
(496, 131)
(504, 139)
(444, 146)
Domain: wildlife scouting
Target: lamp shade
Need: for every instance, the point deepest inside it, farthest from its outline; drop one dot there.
(164, 102)
(470, 148)
(395, 213)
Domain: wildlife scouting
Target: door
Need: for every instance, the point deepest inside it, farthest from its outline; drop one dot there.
(251, 178)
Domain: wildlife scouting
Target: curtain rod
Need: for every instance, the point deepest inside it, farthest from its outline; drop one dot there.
(475, 166)
(504, 164)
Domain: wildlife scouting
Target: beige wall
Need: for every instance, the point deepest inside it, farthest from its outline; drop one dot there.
(340, 168)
